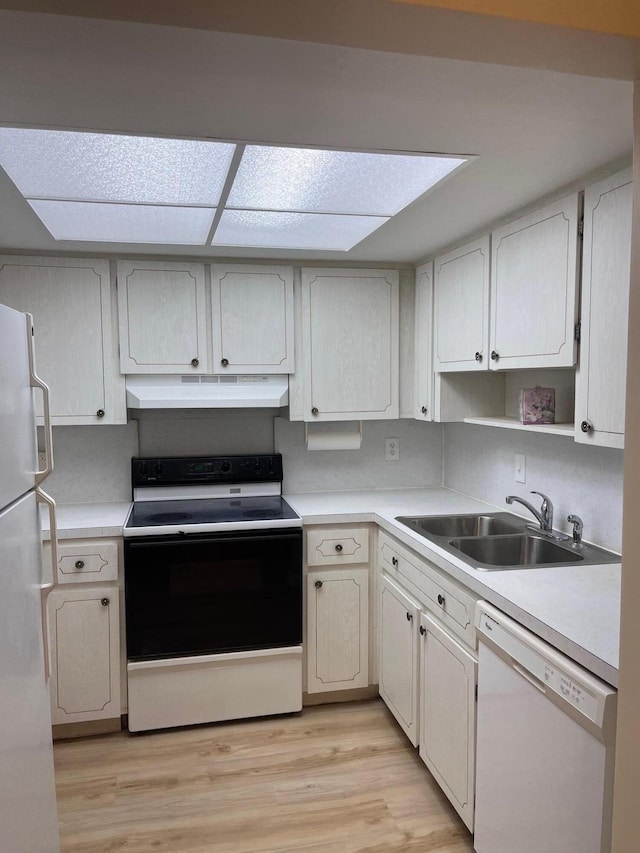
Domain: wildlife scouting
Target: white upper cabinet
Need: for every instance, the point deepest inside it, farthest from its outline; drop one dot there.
(461, 308)
(252, 319)
(423, 341)
(163, 324)
(71, 303)
(601, 376)
(534, 292)
(350, 344)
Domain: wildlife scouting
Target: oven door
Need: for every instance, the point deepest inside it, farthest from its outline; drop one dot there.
(209, 593)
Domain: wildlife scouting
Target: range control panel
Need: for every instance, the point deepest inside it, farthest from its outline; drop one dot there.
(199, 470)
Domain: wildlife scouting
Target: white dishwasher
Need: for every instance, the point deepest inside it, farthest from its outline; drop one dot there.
(545, 746)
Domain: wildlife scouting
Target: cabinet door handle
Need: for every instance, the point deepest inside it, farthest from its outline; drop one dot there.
(79, 564)
(423, 630)
(478, 356)
(225, 362)
(195, 362)
(441, 600)
(409, 616)
(314, 411)
(105, 602)
(100, 413)
(494, 355)
(424, 410)
(586, 426)
(394, 561)
(338, 547)
(318, 584)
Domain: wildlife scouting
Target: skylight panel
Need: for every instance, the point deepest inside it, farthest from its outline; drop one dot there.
(313, 180)
(269, 229)
(56, 164)
(124, 223)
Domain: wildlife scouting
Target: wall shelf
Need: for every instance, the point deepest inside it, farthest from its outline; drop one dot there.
(512, 423)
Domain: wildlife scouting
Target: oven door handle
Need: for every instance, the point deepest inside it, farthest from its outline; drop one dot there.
(200, 539)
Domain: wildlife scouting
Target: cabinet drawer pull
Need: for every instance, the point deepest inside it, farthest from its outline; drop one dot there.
(225, 362)
(318, 584)
(424, 410)
(100, 413)
(494, 355)
(195, 362)
(338, 547)
(394, 561)
(105, 602)
(423, 630)
(441, 600)
(409, 616)
(479, 356)
(79, 564)
(586, 426)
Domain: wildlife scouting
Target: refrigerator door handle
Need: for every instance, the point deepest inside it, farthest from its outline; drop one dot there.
(45, 588)
(36, 382)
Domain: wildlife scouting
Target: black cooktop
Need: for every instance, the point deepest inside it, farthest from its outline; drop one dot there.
(210, 511)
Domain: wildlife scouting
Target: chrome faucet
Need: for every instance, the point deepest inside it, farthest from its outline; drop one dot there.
(544, 516)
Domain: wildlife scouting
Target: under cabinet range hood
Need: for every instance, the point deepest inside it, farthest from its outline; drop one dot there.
(207, 392)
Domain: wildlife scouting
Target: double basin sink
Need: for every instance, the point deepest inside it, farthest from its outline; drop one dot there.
(499, 541)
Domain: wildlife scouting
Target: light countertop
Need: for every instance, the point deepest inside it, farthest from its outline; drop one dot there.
(575, 609)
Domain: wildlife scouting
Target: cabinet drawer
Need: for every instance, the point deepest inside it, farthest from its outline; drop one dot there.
(443, 597)
(327, 546)
(86, 560)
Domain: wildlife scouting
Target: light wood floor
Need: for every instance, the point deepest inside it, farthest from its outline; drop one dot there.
(334, 778)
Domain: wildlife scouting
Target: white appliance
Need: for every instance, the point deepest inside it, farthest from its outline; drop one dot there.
(545, 746)
(28, 817)
(207, 392)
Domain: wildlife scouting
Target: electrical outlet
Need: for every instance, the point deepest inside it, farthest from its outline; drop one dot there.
(521, 468)
(391, 449)
(42, 460)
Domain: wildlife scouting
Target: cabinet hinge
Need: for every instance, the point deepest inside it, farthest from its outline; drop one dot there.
(580, 227)
(577, 330)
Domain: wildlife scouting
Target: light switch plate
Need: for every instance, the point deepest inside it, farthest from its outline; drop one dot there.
(521, 468)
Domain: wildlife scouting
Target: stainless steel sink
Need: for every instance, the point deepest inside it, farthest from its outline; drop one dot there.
(500, 541)
(451, 526)
(515, 551)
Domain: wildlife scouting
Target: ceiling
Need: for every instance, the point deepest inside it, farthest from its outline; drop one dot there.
(534, 131)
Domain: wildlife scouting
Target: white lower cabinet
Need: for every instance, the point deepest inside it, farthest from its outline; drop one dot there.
(83, 626)
(337, 629)
(399, 655)
(448, 677)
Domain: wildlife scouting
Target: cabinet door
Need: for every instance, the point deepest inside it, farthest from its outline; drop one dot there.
(398, 664)
(350, 344)
(423, 394)
(163, 327)
(337, 630)
(448, 716)
(70, 299)
(602, 373)
(461, 308)
(252, 319)
(534, 292)
(85, 649)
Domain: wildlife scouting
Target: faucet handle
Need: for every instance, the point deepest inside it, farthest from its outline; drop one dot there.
(543, 496)
(546, 511)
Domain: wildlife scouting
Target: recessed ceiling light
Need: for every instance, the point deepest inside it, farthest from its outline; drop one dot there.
(273, 229)
(321, 181)
(124, 223)
(78, 166)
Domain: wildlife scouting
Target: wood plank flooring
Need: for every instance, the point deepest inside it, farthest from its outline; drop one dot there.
(334, 778)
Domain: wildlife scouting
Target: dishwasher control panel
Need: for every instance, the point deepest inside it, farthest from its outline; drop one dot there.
(545, 668)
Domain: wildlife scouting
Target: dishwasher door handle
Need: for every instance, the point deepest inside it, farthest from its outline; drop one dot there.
(528, 676)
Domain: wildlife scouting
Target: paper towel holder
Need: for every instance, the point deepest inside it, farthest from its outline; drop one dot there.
(333, 435)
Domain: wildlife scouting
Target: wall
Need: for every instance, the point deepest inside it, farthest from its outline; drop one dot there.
(581, 479)
(93, 463)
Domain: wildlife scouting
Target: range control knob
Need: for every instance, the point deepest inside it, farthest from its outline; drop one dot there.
(225, 466)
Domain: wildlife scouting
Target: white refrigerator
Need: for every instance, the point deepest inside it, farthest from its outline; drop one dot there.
(28, 816)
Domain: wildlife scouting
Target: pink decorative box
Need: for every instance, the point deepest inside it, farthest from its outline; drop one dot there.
(538, 405)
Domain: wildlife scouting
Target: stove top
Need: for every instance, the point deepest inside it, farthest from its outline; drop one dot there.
(209, 511)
